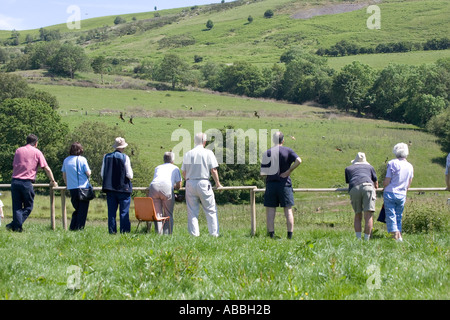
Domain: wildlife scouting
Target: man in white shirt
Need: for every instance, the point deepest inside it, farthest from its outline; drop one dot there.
(167, 177)
(198, 165)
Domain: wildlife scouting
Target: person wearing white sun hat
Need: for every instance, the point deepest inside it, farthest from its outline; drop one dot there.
(363, 182)
(117, 174)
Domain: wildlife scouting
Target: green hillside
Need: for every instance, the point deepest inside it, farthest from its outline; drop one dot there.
(183, 31)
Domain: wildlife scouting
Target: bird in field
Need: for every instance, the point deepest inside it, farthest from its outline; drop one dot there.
(256, 114)
(121, 117)
(131, 120)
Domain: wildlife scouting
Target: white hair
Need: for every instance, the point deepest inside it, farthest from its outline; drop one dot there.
(199, 138)
(278, 138)
(169, 157)
(401, 150)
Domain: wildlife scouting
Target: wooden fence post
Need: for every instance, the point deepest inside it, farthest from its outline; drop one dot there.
(253, 211)
(52, 208)
(63, 209)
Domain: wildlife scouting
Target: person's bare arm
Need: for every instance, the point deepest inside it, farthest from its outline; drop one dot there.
(386, 182)
(287, 173)
(49, 174)
(215, 175)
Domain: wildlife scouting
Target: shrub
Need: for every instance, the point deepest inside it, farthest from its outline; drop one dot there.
(268, 13)
(425, 218)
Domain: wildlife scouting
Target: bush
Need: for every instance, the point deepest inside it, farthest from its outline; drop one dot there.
(119, 20)
(425, 218)
(268, 14)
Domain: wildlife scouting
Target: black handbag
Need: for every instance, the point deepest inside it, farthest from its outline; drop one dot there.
(382, 215)
(85, 194)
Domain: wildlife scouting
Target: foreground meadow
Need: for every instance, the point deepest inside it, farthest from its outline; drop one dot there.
(323, 261)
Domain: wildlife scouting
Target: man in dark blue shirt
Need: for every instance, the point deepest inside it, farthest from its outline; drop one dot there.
(277, 165)
(362, 184)
(117, 174)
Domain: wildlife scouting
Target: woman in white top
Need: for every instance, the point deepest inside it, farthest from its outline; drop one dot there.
(399, 176)
(167, 177)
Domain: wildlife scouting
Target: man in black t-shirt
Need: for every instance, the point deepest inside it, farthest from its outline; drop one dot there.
(277, 164)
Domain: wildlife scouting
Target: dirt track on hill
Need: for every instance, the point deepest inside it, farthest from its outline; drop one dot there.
(331, 9)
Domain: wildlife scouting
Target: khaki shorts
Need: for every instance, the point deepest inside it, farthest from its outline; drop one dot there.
(363, 197)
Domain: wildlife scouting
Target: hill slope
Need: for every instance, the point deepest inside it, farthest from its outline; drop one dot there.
(262, 41)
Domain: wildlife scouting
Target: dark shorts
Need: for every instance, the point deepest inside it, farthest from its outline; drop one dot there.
(277, 194)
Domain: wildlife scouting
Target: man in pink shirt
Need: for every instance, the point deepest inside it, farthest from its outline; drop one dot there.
(27, 160)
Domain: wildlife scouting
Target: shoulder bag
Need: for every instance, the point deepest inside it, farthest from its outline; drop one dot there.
(85, 194)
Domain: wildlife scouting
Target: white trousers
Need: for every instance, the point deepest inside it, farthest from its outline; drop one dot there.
(200, 191)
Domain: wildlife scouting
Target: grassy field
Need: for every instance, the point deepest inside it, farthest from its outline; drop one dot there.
(325, 139)
(323, 261)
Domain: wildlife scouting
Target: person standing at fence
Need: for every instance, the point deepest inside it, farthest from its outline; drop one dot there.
(398, 179)
(27, 160)
(362, 184)
(117, 174)
(166, 178)
(277, 165)
(198, 165)
(76, 173)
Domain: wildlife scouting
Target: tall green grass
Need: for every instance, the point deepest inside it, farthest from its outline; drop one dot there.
(319, 263)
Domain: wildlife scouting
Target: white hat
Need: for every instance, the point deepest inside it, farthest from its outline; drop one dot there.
(120, 143)
(360, 158)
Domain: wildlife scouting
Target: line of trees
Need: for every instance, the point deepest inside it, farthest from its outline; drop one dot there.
(347, 48)
(401, 93)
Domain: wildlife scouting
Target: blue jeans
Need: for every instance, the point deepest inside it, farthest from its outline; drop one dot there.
(394, 204)
(122, 201)
(22, 195)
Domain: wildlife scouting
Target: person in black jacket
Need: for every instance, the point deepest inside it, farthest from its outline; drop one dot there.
(117, 174)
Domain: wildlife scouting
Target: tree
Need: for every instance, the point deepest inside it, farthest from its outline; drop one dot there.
(68, 60)
(268, 13)
(119, 20)
(351, 86)
(96, 139)
(99, 66)
(209, 24)
(242, 78)
(390, 91)
(172, 69)
(49, 35)
(235, 173)
(439, 125)
(21, 116)
(307, 77)
(3, 56)
(14, 86)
